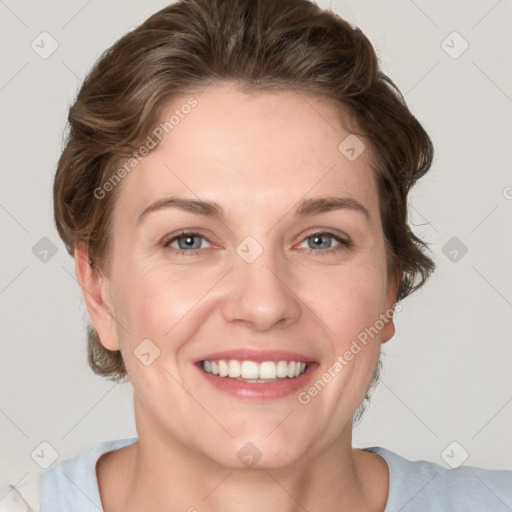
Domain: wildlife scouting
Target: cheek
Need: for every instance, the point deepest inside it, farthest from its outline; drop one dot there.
(157, 303)
(157, 306)
(349, 300)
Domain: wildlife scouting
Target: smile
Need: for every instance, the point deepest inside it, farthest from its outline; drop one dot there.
(255, 372)
(258, 381)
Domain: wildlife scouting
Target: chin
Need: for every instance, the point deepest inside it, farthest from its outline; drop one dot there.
(252, 450)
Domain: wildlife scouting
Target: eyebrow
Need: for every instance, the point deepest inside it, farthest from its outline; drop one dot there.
(305, 208)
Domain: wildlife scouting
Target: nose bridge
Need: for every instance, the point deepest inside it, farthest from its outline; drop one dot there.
(258, 294)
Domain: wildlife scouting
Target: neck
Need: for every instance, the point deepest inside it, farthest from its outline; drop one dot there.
(163, 473)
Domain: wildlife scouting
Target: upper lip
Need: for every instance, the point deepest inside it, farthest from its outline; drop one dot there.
(249, 354)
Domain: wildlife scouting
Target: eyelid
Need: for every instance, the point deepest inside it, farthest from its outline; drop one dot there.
(344, 241)
(168, 239)
(335, 233)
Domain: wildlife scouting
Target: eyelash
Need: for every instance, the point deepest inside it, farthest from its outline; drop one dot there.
(343, 244)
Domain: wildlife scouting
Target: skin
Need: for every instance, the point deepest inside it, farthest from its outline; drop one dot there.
(256, 155)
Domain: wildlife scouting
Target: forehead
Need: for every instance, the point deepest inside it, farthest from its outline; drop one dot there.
(258, 147)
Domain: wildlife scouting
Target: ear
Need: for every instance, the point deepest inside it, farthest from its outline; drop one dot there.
(388, 331)
(96, 291)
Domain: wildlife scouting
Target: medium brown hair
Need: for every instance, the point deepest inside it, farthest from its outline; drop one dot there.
(257, 44)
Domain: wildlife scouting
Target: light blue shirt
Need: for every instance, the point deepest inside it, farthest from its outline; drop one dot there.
(71, 486)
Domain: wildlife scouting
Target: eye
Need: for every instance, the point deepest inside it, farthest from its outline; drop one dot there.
(326, 242)
(191, 243)
(187, 242)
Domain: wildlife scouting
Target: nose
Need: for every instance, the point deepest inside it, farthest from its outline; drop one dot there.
(260, 294)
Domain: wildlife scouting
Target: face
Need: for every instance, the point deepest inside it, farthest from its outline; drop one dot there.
(248, 237)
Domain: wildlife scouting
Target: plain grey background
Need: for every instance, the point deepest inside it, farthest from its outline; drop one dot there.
(446, 375)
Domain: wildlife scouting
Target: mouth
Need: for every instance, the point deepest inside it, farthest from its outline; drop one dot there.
(257, 376)
(253, 371)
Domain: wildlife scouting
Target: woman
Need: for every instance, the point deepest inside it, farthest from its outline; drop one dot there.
(234, 194)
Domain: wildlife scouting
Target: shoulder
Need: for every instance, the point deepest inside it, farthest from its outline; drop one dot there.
(69, 486)
(421, 485)
(72, 485)
(21, 497)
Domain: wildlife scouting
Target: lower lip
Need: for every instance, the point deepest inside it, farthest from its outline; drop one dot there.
(262, 391)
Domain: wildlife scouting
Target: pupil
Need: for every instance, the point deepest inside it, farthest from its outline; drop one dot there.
(321, 241)
(188, 241)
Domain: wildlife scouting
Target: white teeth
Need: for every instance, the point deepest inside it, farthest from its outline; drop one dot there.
(223, 368)
(234, 368)
(268, 370)
(251, 370)
(282, 369)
